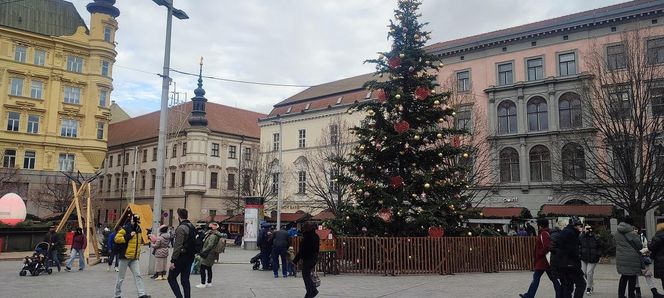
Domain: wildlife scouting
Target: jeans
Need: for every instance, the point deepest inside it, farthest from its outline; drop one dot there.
(571, 280)
(54, 254)
(265, 257)
(628, 281)
(112, 255)
(532, 290)
(205, 270)
(182, 268)
(135, 271)
(588, 271)
(81, 261)
(283, 253)
(307, 267)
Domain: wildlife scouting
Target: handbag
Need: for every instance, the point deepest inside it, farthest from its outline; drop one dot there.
(315, 278)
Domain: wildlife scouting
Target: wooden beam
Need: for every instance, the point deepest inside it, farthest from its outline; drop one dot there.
(70, 209)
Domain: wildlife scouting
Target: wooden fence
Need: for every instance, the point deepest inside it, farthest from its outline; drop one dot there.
(424, 255)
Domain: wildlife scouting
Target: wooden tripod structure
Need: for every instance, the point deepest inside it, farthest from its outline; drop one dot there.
(81, 189)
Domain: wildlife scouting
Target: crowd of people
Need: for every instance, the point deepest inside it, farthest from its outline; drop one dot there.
(569, 253)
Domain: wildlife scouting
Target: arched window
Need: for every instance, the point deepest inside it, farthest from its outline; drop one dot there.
(569, 109)
(574, 162)
(540, 164)
(509, 165)
(537, 114)
(507, 117)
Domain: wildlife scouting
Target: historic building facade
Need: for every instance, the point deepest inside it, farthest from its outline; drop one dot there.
(56, 82)
(204, 159)
(516, 89)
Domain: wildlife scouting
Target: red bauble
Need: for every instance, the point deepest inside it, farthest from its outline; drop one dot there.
(456, 141)
(396, 181)
(401, 126)
(394, 62)
(436, 232)
(380, 95)
(421, 93)
(385, 214)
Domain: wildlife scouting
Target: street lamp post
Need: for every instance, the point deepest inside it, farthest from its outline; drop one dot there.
(163, 117)
(281, 172)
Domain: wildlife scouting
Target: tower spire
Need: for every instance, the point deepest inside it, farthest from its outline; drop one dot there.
(197, 117)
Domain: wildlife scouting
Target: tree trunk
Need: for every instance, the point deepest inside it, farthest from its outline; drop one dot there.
(639, 217)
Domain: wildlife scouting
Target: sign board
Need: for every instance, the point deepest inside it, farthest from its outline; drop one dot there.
(250, 224)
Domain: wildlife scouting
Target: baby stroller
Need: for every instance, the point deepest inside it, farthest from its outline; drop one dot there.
(36, 263)
(256, 261)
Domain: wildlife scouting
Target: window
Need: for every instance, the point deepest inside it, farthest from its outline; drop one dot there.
(301, 182)
(69, 128)
(334, 185)
(505, 76)
(100, 130)
(126, 159)
(105, 65)
(184, 149)
(246, 184)
(153, 181)
(72, 95)
(615, 57)
(36, 88)
(117, 183)
(33, 124)
(620, 104)
(142, 181)
(231, 182)
(9, 159)
(103, 96)
(66, 162)
(110, 160)
(214, 179)
(154, 154)
(509, 165)
(16, 87)
(569, 109)
(623, 160)
(463, 81)
(567, 64)
(173, 180)
(107, 34)
(13, 120)
(537, 114)
(247, 153)
(119, 160)
(334, 134)
(659, 158)
(275, 142)
(655, 50)
(535, 69)
(573, 162)
(74, 63)
(275, 183)
(232, 151)
(125, 185)
(463, 120)
(657, 100)
(40, 57)
(540, 164)
(213, 213)
(182, 178)
(145, 155)
(21, 53)
(215, 149)
(507, 117)
(302, 138)
(101, 188)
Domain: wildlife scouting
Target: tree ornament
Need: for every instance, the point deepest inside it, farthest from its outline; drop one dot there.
(436, 102)
(361, 147)
(385, 214)
(400, 108)
(421, 93)
(456, 141)
(439, 135)
(359, 191)
(366, 194)
(398, 96)
(401, 126)
(371, 113)
(416, 37)
(436, 232)
(380, 95)
(440, 64)
(381, 56)
(427, 185)
(453, 113)
(402, 54)
(414, 195)
(379, 146)
(394, 62)
(350, 112)
(465, 155)
(433, 91)
(441, 120)
(396, 182)
(427, 62)
(411, 69)
(416, 137)
(405, 29)
(440, 154)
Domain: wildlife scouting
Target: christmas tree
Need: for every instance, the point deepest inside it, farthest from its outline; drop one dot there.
(407, 171)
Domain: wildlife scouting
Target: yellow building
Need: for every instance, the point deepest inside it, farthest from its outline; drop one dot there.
(55, 89)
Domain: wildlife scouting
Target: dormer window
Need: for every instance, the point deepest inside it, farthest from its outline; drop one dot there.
(339, 99)
(289, 109)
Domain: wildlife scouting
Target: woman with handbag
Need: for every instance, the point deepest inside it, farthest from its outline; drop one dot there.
(542, 247)
(629, 261)
(209, 254)
(646, 272)
(308, 253)
(656, 248)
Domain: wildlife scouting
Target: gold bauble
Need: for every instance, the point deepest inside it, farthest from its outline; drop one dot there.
(465, 155)
(402, 55)
(398, 96)
(371, 112)
(440, 154)
(361, 147)
(436, 102)
(416, 137)
(440, 64)
(427, 185)
(440, 136)
(441, 120)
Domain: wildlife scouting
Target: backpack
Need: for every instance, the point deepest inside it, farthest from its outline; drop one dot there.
(192, 246)
(220, 247)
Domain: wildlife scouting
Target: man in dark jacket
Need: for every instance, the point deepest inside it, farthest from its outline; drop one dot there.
(264, 244)
(183, 255)
(52, 239)
(308, 253)
(565, 258)
(77, 248)
(590, 254)
(542, 247)
(280, 244)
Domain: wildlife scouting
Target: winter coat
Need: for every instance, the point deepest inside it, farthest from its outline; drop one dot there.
(131, 245)
(590, 248)
(161, 246)
(565, 249)
(181, 240)
(628, 245)
(208, 255)
(542, 247)
(79, 242)
(309, 247)
(263, 236)
(110, 243)
(656, 248)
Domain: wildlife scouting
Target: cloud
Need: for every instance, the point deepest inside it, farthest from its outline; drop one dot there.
(287, 41)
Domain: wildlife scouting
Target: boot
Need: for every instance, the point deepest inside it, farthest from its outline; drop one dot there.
(638, 293)
(655, 294)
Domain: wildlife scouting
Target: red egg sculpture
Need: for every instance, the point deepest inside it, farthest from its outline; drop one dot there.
(12, 209)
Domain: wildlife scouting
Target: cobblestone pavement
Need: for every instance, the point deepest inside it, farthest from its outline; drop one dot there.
(234, 278)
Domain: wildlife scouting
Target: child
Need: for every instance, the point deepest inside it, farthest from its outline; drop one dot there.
(291, 265)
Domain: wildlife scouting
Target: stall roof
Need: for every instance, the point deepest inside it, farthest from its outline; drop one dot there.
(490, 221)
(323, 215)
(502, 212)
(578, 210)
(291, 217)
(218, 218)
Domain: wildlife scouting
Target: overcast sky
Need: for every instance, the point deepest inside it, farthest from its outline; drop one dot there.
(303, 42)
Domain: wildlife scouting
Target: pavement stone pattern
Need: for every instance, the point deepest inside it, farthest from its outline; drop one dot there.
(233, 277)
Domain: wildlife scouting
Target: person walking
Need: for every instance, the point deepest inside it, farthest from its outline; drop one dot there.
(280, 244)
(656, 248)
(78, 246)
(53, 242)
(646, 272)
(542, 247)
(590, 254)
(129, 240)
(209, 253)
(628, 257)
(161, 253)
(183, 255)
(308, 253)
(112, 253)
(565, 258)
